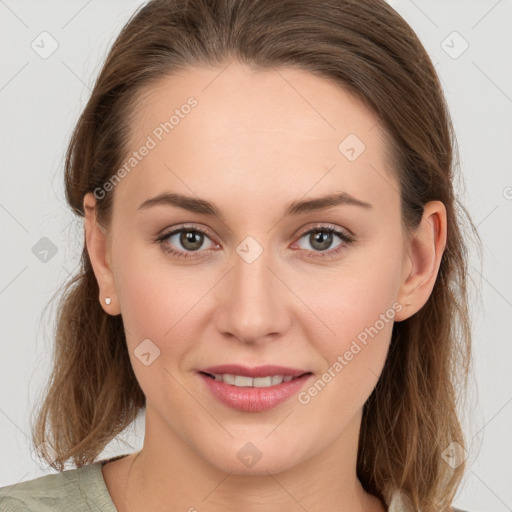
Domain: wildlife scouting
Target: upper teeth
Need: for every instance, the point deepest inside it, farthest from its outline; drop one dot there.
(257, 382)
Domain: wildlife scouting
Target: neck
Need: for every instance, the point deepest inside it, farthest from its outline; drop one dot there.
(168, 471)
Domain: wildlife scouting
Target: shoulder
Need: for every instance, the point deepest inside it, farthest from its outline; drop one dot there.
(79, 490)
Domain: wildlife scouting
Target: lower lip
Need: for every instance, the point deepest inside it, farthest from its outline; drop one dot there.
(249, 399)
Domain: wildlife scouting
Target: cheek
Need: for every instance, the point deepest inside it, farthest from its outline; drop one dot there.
(354, 356)
(154, 297)
(360, 322)
(358, 306)
(355, 295)
(157, 304)
(152, 291)
(165, 303)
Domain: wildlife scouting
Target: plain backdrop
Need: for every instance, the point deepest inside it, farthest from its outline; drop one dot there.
(41, 96)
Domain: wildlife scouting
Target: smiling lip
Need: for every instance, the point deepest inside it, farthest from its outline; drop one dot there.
(257, 371)
(254, 399)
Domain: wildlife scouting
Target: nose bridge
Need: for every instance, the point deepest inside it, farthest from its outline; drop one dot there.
(252, 303)
(251, 274)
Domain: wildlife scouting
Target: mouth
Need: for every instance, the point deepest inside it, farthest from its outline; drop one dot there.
(245, 381)
(253, 394)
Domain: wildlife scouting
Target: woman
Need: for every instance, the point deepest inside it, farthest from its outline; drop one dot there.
(273, 269)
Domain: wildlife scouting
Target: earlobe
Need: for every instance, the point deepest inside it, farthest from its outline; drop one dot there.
(425, 250)
(96, 240)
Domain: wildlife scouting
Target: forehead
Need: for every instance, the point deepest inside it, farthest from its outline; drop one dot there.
(271, 135)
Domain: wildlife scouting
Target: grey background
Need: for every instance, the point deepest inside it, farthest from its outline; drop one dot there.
(41, 99)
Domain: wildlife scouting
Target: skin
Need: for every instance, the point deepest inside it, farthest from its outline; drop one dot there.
(271, 136)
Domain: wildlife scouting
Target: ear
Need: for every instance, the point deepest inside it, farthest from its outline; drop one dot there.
(424, 251)
(98, 247)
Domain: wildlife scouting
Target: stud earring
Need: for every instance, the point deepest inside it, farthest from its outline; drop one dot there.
(108, 300)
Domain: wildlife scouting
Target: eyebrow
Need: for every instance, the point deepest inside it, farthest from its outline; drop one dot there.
(296, 207)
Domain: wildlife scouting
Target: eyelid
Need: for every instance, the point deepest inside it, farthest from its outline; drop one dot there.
(299, 233)
(165, 233)
(325, 225)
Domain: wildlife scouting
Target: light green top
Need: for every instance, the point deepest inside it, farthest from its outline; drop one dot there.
(84, 490)
(76, 490)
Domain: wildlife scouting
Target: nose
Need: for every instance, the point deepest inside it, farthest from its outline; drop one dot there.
(254, 304)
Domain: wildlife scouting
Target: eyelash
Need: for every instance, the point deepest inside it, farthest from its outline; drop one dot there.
(345, 237)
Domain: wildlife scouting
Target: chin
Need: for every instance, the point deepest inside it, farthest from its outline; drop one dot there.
(247, 459)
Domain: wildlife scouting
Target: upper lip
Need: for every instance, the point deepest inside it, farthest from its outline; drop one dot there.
(257, 371)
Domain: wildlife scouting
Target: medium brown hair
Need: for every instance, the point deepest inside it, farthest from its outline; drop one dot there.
(366, 48)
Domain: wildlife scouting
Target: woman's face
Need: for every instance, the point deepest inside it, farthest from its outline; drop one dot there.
(253, 283)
